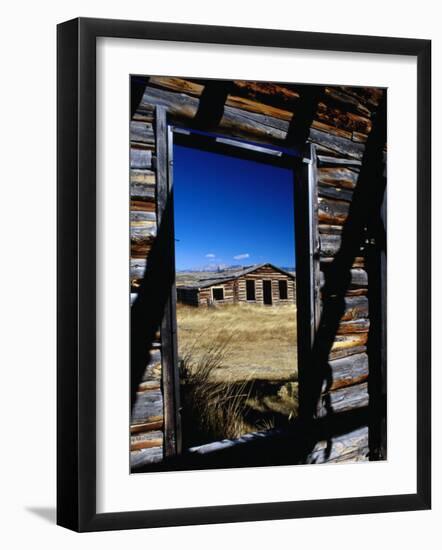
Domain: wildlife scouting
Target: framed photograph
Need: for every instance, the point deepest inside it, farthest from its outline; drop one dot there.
(233, 344)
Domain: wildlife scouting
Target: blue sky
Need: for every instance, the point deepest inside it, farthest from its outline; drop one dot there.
(230, 211)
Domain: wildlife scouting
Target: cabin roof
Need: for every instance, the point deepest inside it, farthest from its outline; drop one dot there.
(220, 278)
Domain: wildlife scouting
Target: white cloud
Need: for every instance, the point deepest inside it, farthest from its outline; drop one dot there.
(241, 256)
(210, 255)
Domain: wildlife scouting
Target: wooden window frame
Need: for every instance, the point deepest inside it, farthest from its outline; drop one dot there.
(304, 165)
(213, 296)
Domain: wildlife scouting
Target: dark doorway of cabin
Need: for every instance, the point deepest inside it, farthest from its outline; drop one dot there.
(236, 335)
(267, 292)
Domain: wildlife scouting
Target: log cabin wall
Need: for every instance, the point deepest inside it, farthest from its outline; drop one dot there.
(339, 120)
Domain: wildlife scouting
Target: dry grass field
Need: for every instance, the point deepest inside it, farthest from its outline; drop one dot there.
(238, 369)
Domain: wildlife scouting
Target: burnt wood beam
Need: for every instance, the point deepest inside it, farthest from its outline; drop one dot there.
(299, 127)
(211, 105)
(137, 86)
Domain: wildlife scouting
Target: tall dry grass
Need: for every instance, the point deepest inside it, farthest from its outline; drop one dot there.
(212, 409)
(238, 369)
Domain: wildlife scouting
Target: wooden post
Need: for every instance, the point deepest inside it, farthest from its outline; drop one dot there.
(168, 325)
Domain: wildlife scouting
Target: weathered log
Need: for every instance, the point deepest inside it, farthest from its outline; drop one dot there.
(346, 352)
(140, 159)
(349, 447)
(177, 84)
(179, 106)
(344, 399)
(141, 132)
(234, 122)
(364, 94)
(346, 100)
(137, 268)
(144, 457)
(148, 407)
(355, 308)
(142, 216)
(277, 95)
(338, 177)
(346, 372)
(343, 146)
(330, 129)
(143, 206)
(331, 192)
(343, 119)
(356, 292)
(356, 325)
(330, 229)
(151, 385)
(252, 126)
(143, 177)
(140, 248)
(325, 160)
(146, 426)
(332, 211)
(257, 107)
(359, 137)
(344, 341)
(146, 440)
(140, 230)
(152, 372)
(140, 192)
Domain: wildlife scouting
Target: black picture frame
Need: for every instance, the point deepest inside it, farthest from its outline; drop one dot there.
(76, 384)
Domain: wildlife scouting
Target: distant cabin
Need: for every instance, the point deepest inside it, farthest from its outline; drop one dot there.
(262, 284)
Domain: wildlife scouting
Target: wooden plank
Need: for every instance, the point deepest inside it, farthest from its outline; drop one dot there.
(146, 426)
(168, 323)
(153, 368)
(355, 308)
(146, 440)
(140, 159)
(148, 407)
(140, 216)
(330, 244)
(340, 118)
(332, 211)
(344, 399)
(344, 341)
(338, 193)
(366, 95)
(237, 123)
(343, 146)
(258, 107)
(141, 192)
(347, 371)
(349, 447)
(144, 457)
(177, 84)
(355, 325)
(346, 101)
(277, 95)
(338, 177)
(140, 248)
(346, 352)
(141, 132)
(143, 177)
(325, 160)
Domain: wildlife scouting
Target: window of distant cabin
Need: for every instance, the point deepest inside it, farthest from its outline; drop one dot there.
(283, 294)
(237, 219)
(250, 290)
(218, 293)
